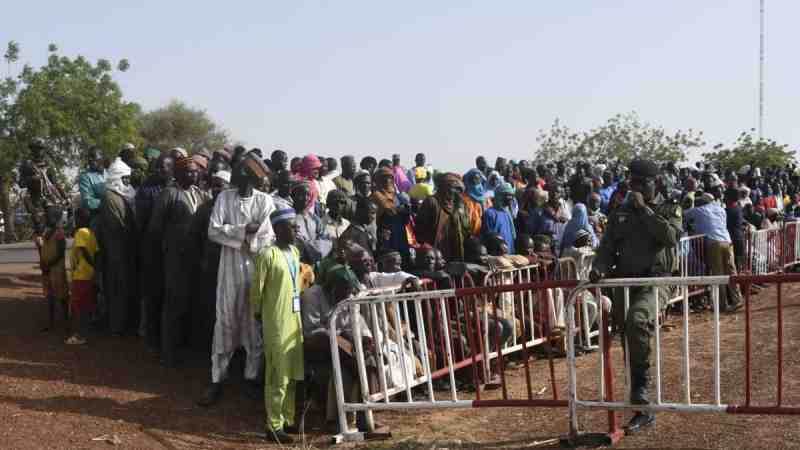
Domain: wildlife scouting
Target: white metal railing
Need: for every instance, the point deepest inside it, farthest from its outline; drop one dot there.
(688, 403)
(404, 308)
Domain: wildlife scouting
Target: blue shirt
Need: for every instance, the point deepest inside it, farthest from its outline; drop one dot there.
(92, 186)
(709, 220)
(605, 196)
(499, 221)
(541, 222)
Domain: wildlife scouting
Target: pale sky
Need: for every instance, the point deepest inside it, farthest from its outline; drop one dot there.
(452, 79)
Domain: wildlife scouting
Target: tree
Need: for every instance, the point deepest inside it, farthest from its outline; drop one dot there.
(557, 143)
(74, 104)
(622, 138)
(71, 103)
(8, 149)
(179, 125)
(749, 150)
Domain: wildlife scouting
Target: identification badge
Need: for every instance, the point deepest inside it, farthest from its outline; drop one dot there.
(296, 304)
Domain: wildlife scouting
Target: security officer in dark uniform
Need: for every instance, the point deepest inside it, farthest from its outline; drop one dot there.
(637, 244)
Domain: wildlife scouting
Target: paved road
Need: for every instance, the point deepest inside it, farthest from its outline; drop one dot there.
(23, 252)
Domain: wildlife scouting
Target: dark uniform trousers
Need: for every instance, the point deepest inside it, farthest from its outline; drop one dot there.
(639, 244)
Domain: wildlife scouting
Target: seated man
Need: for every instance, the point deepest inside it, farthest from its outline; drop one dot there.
(363, 265)
(476, 261)
(426, 267)
(583, 255)
(390, 262)
(554, 316)
(525, 247)
(498, 250)
(542, 247)
(317, 304)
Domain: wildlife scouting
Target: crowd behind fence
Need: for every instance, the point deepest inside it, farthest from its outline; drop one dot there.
(440, 341)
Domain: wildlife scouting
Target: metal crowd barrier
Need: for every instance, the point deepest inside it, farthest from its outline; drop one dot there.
(530, 314)
(525, 310)
(764, 251)
(690, 254)
(791, 244)
(392, 363)
(689, 403)
(394, 369)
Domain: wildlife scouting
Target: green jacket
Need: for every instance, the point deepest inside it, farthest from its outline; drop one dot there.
(640, 243)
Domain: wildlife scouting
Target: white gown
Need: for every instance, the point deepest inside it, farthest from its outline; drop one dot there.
(235, 326)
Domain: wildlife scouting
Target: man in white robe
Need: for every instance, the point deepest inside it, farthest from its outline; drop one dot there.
(240, 224)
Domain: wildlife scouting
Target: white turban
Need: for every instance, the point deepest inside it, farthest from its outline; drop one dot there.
(181, 151)
(117, 170)
(223, 175)
(114, 174)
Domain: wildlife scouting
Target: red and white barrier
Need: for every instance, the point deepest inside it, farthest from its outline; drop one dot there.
(791, 244)
(392, 357)
(690, 402)
(764, 255)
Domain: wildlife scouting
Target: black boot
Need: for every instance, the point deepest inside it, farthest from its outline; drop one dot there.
(640, 379)
(279, 436)
(211, 396)
(640, 421)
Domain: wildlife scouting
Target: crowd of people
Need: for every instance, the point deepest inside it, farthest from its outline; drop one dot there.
(234, 249)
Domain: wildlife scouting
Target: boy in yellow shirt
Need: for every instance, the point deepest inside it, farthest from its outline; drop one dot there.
(83, 297)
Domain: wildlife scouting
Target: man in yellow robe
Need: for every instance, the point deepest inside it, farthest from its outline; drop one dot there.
(275, 297)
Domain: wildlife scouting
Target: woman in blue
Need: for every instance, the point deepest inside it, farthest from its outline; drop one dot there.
(579, 221)
(498, 218)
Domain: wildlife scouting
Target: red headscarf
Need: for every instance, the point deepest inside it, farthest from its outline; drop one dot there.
(310, 163)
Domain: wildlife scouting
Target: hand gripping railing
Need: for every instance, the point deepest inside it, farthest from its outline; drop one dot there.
(715, 404)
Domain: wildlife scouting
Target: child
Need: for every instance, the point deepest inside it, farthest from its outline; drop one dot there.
(53, 266)
(83, 298)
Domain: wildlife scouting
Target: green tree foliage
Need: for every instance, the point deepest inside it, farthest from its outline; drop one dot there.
(749, 150)
(622, 138)
(179, 125)
(71, 103)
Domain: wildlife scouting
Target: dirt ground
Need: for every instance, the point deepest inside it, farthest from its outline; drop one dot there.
(53, 396)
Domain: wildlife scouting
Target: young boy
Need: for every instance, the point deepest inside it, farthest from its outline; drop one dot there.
(83, 295)
(275, 299)
(53, 266)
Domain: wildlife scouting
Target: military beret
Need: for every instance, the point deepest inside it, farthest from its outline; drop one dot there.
(643, 168)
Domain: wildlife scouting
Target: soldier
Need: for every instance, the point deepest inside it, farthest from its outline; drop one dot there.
(42, 190)
(637, 244)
